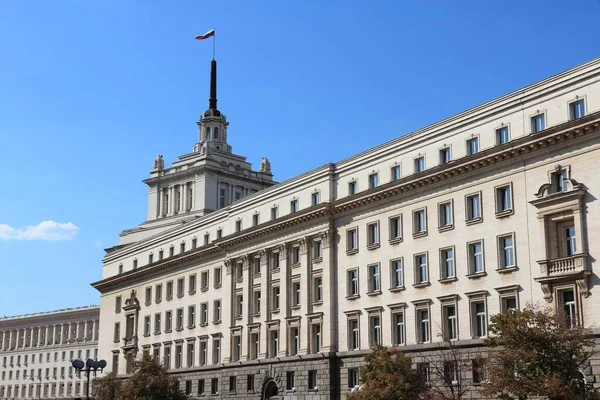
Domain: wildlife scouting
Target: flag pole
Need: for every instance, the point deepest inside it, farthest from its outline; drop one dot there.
(214, 39)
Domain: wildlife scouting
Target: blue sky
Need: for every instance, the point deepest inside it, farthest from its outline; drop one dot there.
(92, 90)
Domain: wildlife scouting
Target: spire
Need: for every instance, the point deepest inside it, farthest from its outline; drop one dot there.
(212, 102)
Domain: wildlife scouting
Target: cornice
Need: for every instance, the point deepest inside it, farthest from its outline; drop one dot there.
(519, 147)
(50, 318)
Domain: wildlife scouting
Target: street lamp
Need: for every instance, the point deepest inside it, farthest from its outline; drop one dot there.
(88, 367)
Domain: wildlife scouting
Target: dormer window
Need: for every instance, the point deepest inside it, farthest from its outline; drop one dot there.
(559, 181)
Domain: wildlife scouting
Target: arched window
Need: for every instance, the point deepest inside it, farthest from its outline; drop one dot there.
(216, 133)
(207, 132)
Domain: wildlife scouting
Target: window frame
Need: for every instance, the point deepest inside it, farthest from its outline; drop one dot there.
(468, 141)
(420, 159)
(417, 232)
(373, 180)
(499, 136)
(395, 285)
(374, 281)
(503, 266)
(350, 283)
(442, 227)
(373, 235)
(395, 172)
(395, 223)
(354, 249)
(571, 109)
(470, 217)
(444, 276)
(422, 335)
(417, 266)
(444, 155)
(499, 198)
(471, 272)
(534, 119)
(475, 298)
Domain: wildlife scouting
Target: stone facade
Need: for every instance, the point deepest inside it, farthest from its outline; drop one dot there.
(284, 290)
(37, 349)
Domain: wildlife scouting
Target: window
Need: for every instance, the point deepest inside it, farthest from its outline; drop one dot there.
(256, 302)
(179, 320)
(423, 335)
(472, 146)
(479, 318)
(419, 164)
(353, 378)
(170, 290)
(373, 234)
(222, 197)
(398, 328)
(296, 255)
(157, 323)
(445, 155)
(396, 229)
(116, 333)
(577, 109)
(312, 380)
(203, 313)
(216, 311)
(188, 387)
(219, 233)
(473, 207)
(352, 187)
(419, 222)
(190, 354)
(317, 250)
(200, 387)
(395, 173)
(450, 327)
(502, 135)
(148, 296)
(161, 254)
(192, 284)
(182, 248)
(421, 269)
(538, 123)
(397, 274)
(289, 381)
(254, 345)
(203, 352)
(232, 384)
(373, 180)
(570, 240)
(294, 206)
(180, 287)
(569, 308)
(275, 298)
(168, 320)
(273, 343)
(374, 278)
(447, 263)
(195, 242)
(214, 386)
(135, 264)
(255, 266)
(374, 329)
(352, 283)
(238, 225)
(352, 239)
(294, 338)
(250, 383)
(217, 282)
(120, 268)
(147, 325)
(559, 181)
(475, 252)
(158, 293)
(509, 298)
(206, 238)
(255, 218)
(445, 215)
(274, 212)
(204, 278)
(478, 368)
(317, 289)
(450, 373)
(239, 271)
(315, 198)
(239, 305)
(506, 251)
(216, 351)
(171, 251)
(353, 333)
(118, 304)
(150, 258)
(296, 294)
(275, 261)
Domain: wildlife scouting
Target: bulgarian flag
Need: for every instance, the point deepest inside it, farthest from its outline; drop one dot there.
(206, 35)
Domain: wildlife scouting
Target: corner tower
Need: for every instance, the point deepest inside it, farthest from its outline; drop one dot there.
(209, 178)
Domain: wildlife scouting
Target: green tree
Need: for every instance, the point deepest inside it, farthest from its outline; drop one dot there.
(107, 387)
(388, 375)
(536, 353)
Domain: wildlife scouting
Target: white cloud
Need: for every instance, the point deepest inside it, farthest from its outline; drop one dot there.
(45, 230)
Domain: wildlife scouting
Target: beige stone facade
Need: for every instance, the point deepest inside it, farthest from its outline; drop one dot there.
(36, 351)
(281, 292)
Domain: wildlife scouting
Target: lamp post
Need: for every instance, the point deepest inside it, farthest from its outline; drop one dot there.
(89, 367)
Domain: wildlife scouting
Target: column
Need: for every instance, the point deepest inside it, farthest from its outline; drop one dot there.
(85, 331)
(39, 336)
(172, 200)
(184, 199)
(56, 334)
(46, 332)
(158, 202)
(265, 276)
(305, 299)
(181, 198)
(329, 327)
(284, 307)
(78, 332)
(2, 335)
(95, 330)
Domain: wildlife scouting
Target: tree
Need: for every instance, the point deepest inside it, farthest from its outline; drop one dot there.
(537, 353)
(388, 375)
(149, 381)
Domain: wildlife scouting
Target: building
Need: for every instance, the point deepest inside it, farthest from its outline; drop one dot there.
(37, 349)
(281, 293)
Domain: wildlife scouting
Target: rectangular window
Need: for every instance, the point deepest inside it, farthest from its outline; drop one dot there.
(135, 264)
(419, 164)
(206, 239)
(508, 303)
(254, 345)
(256, 302)
(239, 305)
(352, 188)
(195, 242)
(150, 258)
(188, 387)
(447, 263)
(450, 327)
(421, 269)
(479, 318)
(312, 380)
(157, 324)
(232, 384)
(179, 320)
(275, 261)
(255, 219)
(203, 313)
(315, 338)
(216, 351)
(273, 213)
(502, 136)
(296, 255)
(147, 325)
(317, 289)
(445, 215)
(472, 146)
(168, 320)
(217, 282)
(398, 327)
(238, 225)
(158, 293)
(273, 343)
(204, 281)
(373, 234)
(395, 173)
(289, 381)
(315, 198)
(170, 290)
(222, 197)
(219, 233)
(255, 266)
(559, 181)
(478, 368)
(190, 354)
(294, 339)
(200, 387)
(352, 283)
(317, 250)
(450, 373)
(475, 251)
(577, 109)
(293, 206)
(192, 284)
(353, 377)
(375, 330)
(275, 298)
(374, 278)
(473, 204)
(569, 307)
(506, 251)
(203, 352)
(250, 383)
(214, 386)
(423, 326)
(373, 181)
(395, 228)
(148, 296)
(171, 251)
(118, 304)
(239, 271)
(161, 254)
(353, 334)
(570, 240)
(445, 155)
(538, 123)
(419, 222)
(296, 294)
(182, 248)
(351, 239)
(116, 333)
(397, 274)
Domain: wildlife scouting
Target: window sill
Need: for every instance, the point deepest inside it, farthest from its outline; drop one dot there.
(373, 246)
(473, 221)
(296, 307)
(313, 390)
(191, 292)
(204, 289)
(275, 311)
(166, 331)
(317, 260)
(114, 341)
(148, 303)
(448, 280)
(397, 289)
(445, 228)
(374, 293)
(157, 333)
(351, 252)
(158, 301)
(507, 270)
(275, 270)
(216, 322)
(179, 329)
(145, 335)
(419, 235)
(317, 303)
(421, 285)
(169, 298)
(505, 213)
(256, 315)
(395, 240)
(239, 280)
(217, 286)
(296, 265)
(238, 317)
(255, 276)
(179, 295)
(477, 275)
(353, 297)
(191, 326)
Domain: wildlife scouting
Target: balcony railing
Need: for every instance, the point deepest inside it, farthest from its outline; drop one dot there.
(129, 342)
(565, 265)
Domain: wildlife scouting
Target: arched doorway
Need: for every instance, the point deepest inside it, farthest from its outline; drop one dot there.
(270, 390)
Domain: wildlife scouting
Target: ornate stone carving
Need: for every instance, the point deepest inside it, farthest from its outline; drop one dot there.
(265, 165)
(547, 290)
(159, 163)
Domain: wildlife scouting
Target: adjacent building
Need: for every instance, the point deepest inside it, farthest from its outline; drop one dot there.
(36, 351)
(247, 288)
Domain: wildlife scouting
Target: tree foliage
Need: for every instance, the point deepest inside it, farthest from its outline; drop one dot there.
(388, 375)
(149, 381)
(535, 353)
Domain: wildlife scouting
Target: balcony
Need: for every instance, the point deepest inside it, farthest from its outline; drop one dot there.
(130, 343)
(574, 268)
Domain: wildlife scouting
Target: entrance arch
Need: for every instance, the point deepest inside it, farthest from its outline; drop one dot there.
(270, 390)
